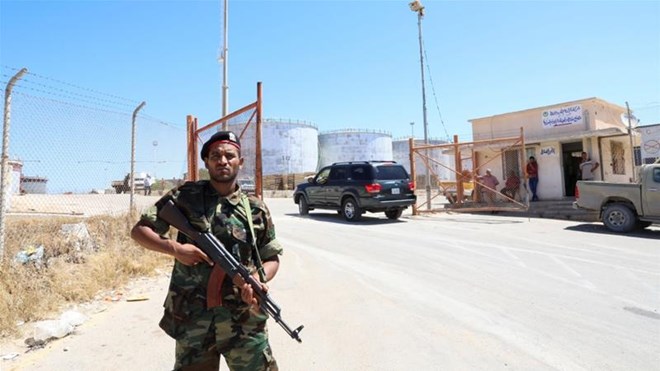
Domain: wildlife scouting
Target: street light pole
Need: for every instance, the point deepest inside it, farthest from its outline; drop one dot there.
(412, 130)
(224, 59)
(416, 6)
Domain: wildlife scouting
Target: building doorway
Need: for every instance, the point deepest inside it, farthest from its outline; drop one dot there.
(571, 163)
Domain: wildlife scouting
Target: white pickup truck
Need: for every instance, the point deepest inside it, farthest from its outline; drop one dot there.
(624, 207)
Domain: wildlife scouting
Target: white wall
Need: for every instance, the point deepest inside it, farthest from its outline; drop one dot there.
(551, 174)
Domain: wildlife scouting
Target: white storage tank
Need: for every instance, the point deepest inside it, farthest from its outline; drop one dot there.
(354, 145)
(287, 147)
(401, 153)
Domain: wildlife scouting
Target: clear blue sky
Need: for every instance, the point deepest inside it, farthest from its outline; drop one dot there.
(346, 64)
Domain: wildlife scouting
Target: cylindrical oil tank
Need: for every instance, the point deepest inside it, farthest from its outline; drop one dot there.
(287, 147)
(441, 159)
(354, 145)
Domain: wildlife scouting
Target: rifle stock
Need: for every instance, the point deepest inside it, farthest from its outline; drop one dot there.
(212, 247)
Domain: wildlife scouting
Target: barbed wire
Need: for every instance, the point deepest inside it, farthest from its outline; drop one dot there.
(18, 89)
(47, 89)
(161, 122)
(98, 109)
(131, 101)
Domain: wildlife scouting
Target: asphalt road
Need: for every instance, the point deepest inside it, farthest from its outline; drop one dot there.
(440, 292)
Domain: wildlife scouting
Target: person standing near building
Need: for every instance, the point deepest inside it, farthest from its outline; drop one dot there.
(587, 167)
(147, 185)
(207, 314)
(489, 183)
(533, 176)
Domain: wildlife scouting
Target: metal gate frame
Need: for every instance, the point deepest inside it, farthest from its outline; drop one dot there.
(464, 178)
(194, 140)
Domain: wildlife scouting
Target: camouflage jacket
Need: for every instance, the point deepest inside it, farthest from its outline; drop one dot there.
(225, 217)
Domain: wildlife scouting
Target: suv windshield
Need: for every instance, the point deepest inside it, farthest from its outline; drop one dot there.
(388, 172)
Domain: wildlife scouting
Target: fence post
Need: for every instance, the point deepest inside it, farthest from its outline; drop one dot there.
(4, 168)
(132, 203)
(413, 170)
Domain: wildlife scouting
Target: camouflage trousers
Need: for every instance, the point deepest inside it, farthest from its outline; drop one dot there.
(240, 337)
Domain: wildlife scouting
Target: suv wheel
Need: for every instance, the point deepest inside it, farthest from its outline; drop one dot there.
(351, 210)
(303, 208)
(393, 214)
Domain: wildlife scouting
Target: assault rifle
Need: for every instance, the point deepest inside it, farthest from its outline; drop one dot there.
(208, 243)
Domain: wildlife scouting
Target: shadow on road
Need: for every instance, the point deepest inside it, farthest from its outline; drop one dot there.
(336, 218)
(653, 234)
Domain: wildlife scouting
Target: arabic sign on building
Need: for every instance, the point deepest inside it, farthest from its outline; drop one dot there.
(548, 151)
(650, 145)
(562, 116)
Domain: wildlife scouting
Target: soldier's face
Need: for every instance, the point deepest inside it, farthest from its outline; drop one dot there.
(223, 162)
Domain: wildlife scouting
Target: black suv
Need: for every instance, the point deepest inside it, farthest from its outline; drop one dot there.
(352, 188)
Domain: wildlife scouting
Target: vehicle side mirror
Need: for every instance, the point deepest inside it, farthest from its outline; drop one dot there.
(310, 180)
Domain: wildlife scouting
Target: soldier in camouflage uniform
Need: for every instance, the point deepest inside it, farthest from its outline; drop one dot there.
(208, 315)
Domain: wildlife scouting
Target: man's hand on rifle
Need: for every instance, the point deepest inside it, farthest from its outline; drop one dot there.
(189, 254)
(247, 293)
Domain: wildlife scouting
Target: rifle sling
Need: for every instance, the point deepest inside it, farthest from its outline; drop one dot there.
(257, 258)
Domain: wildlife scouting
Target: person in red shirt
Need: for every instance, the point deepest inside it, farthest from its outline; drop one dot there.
(533, 175)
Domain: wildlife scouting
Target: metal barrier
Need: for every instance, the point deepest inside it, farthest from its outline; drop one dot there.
(473, 185)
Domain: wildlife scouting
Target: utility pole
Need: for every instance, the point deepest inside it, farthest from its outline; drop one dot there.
(416, 6)
(412, 130)
(224, 60)
(632, 147)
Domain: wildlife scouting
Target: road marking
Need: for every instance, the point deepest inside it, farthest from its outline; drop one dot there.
(513, 256)
(583, 282)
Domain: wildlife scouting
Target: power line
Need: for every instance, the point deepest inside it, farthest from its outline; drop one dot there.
(435, 97)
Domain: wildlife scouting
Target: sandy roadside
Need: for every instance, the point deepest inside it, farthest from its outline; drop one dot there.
(144, 291)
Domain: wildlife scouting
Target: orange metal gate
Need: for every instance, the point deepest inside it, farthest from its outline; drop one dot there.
(468, 188)
(246, 123)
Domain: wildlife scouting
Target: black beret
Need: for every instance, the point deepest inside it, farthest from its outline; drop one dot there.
(221, 136)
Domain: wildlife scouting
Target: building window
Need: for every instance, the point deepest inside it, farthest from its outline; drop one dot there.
(618, 158)
(638, 156)
(529, 152)
(511, 162)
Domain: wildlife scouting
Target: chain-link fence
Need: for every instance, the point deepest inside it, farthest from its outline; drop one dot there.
(67, 143)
